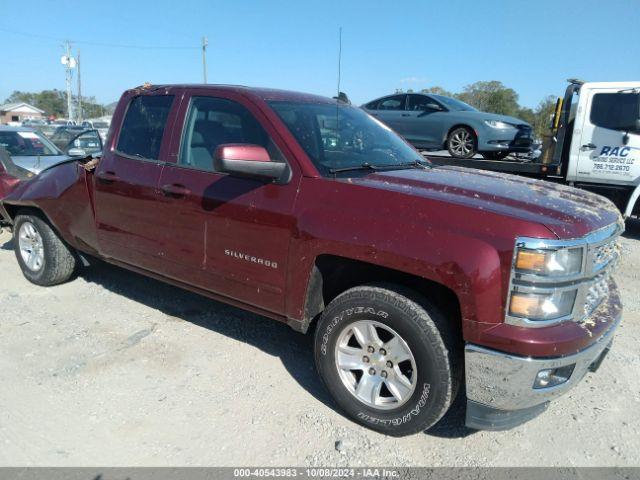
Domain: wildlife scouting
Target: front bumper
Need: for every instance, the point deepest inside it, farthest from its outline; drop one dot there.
(508, 140)
(500, 386)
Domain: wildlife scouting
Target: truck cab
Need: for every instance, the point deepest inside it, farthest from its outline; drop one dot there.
(601, 125)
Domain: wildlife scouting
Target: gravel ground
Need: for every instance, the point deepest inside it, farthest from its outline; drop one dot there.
(118, 369)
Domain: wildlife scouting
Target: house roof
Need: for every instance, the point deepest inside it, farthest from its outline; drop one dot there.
(8, 107)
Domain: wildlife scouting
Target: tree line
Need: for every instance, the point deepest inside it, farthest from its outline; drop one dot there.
(494, 97)
(54, 102)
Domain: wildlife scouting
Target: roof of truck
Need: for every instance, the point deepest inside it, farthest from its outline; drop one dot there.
(265, 94)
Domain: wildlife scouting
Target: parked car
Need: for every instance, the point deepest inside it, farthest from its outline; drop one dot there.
(34, 123)
(436, 122)
(100, 125)
(34, 152)
(10, 174)
(419, 281)
(63, 138)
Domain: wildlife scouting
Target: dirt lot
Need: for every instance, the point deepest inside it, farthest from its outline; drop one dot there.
(117, 369)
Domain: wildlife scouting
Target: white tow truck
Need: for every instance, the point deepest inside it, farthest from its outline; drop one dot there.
(593, 143)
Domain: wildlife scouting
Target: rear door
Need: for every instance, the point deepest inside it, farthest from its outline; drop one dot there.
(391, 111)
(607, 149)
(129, 222)
(226, 234)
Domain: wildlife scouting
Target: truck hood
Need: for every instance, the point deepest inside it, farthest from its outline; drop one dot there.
(566, 211)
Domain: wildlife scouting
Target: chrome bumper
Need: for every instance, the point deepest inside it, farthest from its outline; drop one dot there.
(502, 383)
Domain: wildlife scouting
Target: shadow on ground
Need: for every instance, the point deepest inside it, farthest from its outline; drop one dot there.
(632, 229)
(294, 349)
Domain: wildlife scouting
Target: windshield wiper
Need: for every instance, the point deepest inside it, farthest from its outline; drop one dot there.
(363, 166)
(392, 166)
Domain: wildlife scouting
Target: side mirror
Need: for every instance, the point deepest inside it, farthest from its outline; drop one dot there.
(77, 152)
(434, 106)
(246, 160)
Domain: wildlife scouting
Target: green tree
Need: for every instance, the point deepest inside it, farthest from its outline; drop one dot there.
(53, 102)
(491, 96)
(544, 113)
(437, 91)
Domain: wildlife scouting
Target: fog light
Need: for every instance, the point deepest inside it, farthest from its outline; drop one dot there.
(553, 376)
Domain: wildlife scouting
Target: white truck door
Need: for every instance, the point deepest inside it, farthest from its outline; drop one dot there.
(605, 147)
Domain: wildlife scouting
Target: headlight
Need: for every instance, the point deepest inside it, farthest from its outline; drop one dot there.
(550, 263)
(498, 124)
(545, 306)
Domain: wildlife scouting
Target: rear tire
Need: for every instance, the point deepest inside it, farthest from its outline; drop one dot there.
(397, 386)
(42, 255)
(462, 143)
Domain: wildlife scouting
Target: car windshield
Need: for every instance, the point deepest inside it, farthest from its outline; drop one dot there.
(337, 136)
(453, 104)
(27, 143)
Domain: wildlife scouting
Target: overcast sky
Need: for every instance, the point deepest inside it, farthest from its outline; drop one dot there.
(531, 46)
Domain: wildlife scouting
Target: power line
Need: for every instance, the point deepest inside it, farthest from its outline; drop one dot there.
(101, 44)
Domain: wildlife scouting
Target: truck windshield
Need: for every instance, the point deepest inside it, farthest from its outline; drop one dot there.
(341, 137)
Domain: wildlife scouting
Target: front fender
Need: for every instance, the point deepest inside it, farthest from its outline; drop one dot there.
(62, 194)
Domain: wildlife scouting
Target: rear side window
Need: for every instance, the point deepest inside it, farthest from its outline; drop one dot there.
(143, 126)
(616, 111)
(392, 103)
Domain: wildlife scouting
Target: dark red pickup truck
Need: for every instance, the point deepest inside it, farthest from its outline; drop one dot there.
(417, 280)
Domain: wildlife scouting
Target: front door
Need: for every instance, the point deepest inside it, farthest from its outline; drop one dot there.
(608, 149)
(225, 234)
(423, 123)
(126, 187)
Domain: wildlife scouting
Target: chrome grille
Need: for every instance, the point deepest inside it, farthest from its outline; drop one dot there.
(597, 292)
(605, 254)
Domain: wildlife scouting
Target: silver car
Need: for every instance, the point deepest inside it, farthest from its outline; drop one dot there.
(436, 122)
(31, 150)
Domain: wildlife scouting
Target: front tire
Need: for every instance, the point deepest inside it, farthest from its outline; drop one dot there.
(462, 143)
(42, 255)
(389, 358)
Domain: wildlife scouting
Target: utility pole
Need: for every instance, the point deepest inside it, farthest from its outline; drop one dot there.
(205, 42)
(69, 64)
(79, 113)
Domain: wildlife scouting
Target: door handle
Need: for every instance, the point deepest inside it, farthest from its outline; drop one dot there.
(107, 177)
(588, 146)
(406, 115)
(175, 190)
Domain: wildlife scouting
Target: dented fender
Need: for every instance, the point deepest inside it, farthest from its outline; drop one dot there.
(63, 194)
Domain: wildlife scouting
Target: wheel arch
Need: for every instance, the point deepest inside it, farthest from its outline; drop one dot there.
(331, 275)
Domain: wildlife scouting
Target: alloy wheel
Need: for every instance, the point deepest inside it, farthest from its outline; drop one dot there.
(376, 364)
(31, 246)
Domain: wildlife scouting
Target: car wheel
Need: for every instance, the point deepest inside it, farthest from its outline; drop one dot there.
(389, 358)
(462, 143)
(495, 155)
(43, 257)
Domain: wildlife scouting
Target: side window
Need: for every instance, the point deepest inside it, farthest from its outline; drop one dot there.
(616, 111)
(420, 102)
(143, 126)
(215, 121)
(372, 105)
(392, 103)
